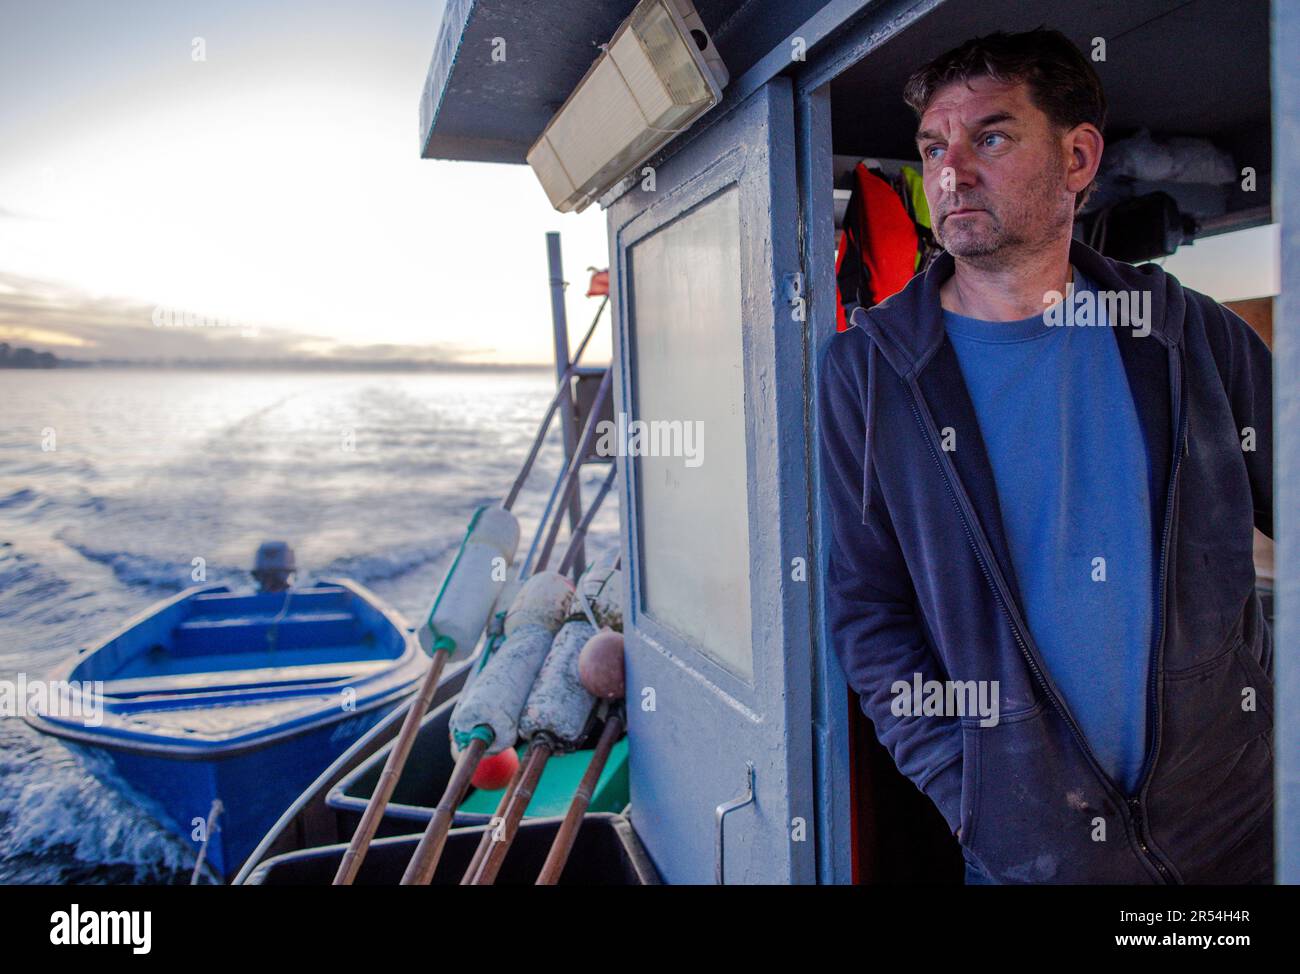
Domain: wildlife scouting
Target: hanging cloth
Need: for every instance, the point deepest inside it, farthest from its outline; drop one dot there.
(916, 194)
(878, 253)
(927, 248)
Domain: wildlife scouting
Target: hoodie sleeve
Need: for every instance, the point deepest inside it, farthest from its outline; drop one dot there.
(871, 606)
(1246, 366)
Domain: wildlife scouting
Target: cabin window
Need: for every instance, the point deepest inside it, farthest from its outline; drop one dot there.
(688, 385)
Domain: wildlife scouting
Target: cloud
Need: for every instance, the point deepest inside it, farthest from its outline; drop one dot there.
(51, 316)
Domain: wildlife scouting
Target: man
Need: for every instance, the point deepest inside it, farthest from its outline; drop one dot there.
(1044, 468)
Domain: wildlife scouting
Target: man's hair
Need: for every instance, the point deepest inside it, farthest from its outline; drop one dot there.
(1062, 84)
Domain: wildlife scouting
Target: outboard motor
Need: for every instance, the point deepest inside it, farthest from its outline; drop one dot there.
(274, 567)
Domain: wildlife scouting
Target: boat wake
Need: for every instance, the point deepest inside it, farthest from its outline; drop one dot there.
(58, 824)
(369, 478)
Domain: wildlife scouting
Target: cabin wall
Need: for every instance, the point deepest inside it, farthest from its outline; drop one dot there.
(1286, 426)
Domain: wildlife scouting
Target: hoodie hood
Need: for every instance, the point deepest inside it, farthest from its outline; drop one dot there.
(908, 326)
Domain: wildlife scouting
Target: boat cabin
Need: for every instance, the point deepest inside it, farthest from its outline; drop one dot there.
(749, 759)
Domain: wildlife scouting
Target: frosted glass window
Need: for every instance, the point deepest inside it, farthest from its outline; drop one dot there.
(689, 376)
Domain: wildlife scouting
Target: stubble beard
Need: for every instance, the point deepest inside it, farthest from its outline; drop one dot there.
(989, 242)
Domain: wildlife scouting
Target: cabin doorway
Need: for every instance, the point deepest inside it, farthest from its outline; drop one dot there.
(1151, 56)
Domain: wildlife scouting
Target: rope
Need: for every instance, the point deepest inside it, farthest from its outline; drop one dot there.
(586, 609)
(275, 623)
(209, 827)
(441, 642)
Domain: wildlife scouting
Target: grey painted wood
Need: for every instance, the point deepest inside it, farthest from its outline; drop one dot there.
(1286, 444)
(689, 755)
(830, 691)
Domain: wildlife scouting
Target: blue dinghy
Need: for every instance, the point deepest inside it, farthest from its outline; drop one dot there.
(242, 698)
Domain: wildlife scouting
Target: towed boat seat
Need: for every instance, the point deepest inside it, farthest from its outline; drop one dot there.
(266, 676)
(203, 636)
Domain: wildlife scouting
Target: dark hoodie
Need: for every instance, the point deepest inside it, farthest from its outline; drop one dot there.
(919, 581)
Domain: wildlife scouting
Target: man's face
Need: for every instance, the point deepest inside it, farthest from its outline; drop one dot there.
(995, 171)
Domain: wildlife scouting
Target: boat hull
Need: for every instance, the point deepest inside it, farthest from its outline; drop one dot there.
(253, 786)
(215, 696)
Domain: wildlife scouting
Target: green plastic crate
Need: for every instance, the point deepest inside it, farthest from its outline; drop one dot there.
(559, 781)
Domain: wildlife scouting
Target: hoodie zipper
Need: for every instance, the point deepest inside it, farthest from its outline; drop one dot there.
(984, 558)
(1153, 721)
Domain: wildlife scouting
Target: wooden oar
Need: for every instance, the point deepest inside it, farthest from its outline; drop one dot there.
(420, 870)
(601, 672)
(365, 832)
(539, 752)
(562, 845)
(461, 610)
(472, 869)
(489, 710)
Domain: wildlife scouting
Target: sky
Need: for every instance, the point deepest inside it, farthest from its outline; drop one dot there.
(272, 190)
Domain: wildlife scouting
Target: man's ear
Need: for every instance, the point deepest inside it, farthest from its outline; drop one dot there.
(1083, 145)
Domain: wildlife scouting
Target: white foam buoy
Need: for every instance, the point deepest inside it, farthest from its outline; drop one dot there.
(543, 601)
(559, 704)
(472, 584)
(497, 694)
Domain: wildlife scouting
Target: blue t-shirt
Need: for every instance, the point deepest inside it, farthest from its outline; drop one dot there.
(1071, 470)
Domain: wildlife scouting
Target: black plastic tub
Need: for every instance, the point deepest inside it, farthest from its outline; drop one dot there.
(429, 768)
(607, 853)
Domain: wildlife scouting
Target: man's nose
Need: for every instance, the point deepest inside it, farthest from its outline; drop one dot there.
(957, 172)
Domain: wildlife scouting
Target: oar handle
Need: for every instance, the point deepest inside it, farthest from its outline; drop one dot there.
(568, 833)
(539, 752)
(420, 870)
(486, 841)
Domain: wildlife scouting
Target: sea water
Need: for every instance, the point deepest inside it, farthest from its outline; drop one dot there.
(120, 487)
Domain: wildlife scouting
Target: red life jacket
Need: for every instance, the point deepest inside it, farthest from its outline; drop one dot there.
(876, 256)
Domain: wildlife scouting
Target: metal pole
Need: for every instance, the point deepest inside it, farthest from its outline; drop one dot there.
(526, 566)
(560, 388)
(560, 327)
(575, 466)
(587, 518)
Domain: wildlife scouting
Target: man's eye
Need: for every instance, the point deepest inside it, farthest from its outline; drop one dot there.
(993, 135)
(930, 151)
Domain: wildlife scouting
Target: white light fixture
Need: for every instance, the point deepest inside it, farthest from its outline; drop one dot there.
(655, 78)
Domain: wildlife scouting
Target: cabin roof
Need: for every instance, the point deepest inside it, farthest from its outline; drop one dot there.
(479, 110)
(474, 110)
(1187, 67)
